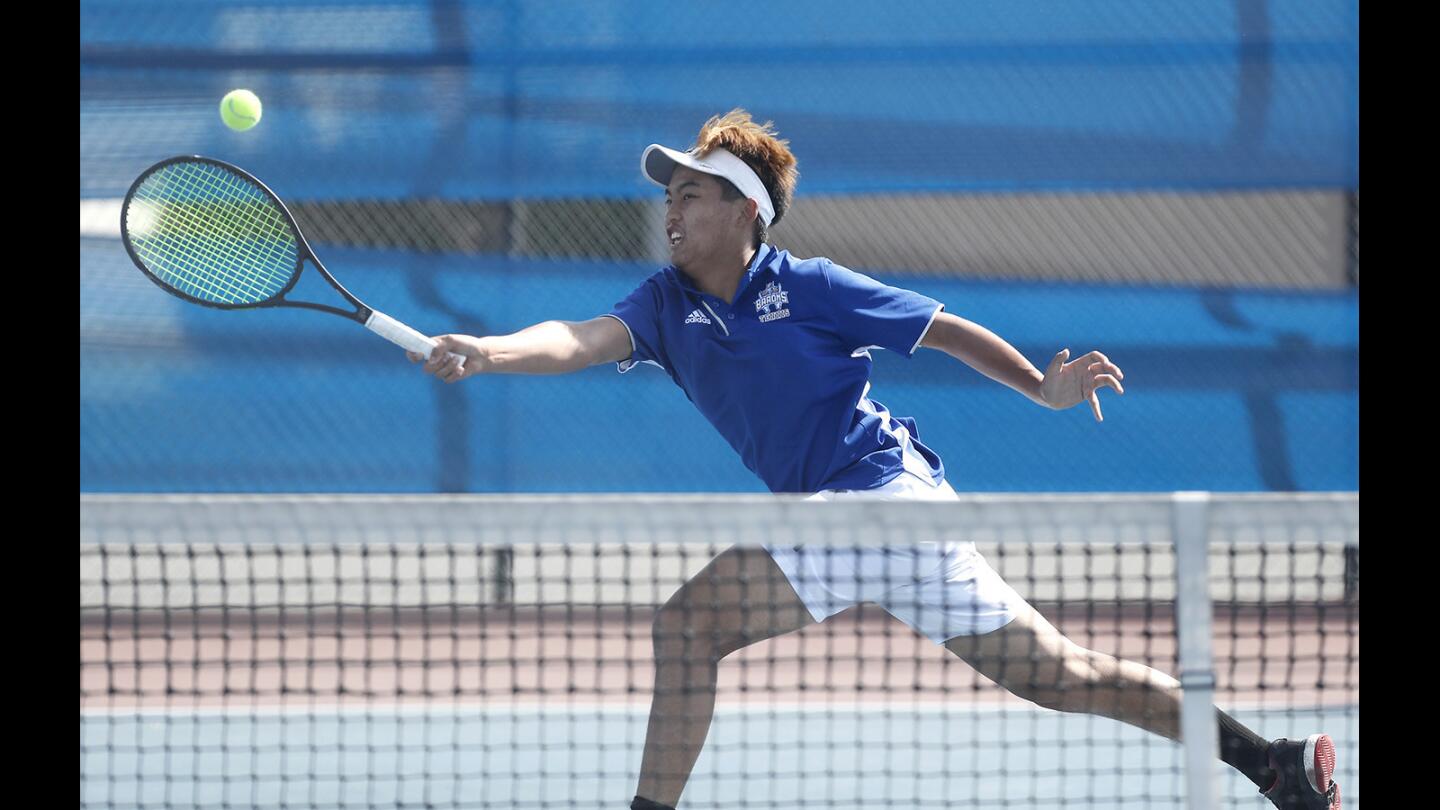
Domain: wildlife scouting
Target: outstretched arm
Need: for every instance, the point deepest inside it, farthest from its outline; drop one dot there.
(552, 347)
(1061, 386)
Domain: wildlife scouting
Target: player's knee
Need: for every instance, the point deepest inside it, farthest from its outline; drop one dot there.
(726, 643)
(670, 627)
(1053, 698)
(1070, 695)
(1067, 687)
(682, 630)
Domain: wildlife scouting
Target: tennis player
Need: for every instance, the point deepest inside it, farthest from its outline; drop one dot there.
(774, 351)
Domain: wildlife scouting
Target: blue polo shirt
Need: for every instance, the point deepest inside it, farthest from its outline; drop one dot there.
(783, 370)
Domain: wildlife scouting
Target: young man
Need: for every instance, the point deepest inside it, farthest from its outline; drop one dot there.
(774, 351)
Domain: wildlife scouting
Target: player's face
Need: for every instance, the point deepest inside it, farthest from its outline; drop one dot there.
(700, 224)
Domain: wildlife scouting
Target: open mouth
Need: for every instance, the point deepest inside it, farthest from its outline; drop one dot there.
(675, 239)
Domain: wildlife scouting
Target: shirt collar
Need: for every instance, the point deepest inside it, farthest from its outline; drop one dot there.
(766, 258)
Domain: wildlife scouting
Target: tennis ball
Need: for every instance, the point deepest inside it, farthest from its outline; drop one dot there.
(240, 110)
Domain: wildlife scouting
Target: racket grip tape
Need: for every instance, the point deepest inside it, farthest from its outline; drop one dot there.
(402, 335)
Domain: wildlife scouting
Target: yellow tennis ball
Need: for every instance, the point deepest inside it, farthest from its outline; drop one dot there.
(240, 110)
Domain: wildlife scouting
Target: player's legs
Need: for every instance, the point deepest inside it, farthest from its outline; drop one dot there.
(1033, 660)
(740, 598)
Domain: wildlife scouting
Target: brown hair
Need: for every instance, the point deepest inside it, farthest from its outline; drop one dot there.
(762, 151)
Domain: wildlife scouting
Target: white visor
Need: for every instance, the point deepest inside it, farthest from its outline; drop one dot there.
(658, 164)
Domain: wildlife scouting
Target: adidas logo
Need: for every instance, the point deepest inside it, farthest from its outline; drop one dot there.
(697, 317)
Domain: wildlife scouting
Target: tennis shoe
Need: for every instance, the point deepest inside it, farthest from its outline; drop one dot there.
(1302, 774)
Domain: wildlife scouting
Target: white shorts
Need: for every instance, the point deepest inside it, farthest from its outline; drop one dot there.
(941, 590)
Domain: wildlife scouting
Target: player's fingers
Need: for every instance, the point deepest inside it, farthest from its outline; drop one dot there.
(1106, 368)
(415, 357)
(1095, 406)
(437, 359)
(1103, 380)
(1055, 364)
(452, 370)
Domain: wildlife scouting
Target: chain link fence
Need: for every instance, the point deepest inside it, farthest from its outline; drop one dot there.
(1178, 188)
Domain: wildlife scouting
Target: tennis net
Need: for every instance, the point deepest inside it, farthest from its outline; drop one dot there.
(496, 651)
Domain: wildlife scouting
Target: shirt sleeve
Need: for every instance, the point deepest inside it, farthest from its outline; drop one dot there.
(869, 313)
(640, 314)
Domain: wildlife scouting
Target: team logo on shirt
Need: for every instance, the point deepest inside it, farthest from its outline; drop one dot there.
(697, 317)
(771, 303)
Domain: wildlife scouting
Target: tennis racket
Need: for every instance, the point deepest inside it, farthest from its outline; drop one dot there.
(212, 234)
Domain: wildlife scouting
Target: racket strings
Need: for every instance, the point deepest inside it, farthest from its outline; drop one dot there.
(237, 234)
(215, 266)
(212, 234)
(224, 256)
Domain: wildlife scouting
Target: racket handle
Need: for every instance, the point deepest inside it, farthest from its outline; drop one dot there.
(403, 336)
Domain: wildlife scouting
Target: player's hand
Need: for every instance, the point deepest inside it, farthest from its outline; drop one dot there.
(1080, 380)
(447, 368)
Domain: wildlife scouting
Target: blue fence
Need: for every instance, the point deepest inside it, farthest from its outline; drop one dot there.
(1226, 390)
(510, 100)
